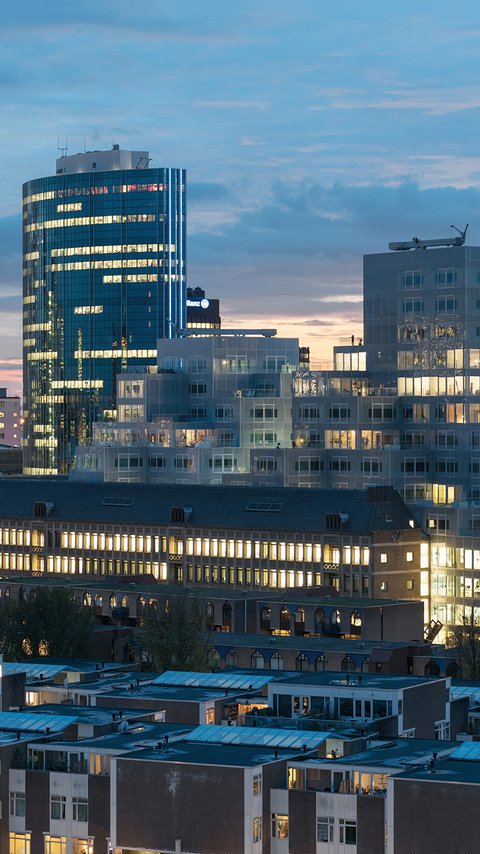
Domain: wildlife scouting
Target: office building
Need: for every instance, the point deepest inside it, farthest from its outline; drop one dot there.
(202, 312)
(10, 419)
(219, 537)
(212, 399)
(104, 278)
(400, 408)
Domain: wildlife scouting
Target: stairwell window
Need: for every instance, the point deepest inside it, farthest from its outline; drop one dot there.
(279, 826)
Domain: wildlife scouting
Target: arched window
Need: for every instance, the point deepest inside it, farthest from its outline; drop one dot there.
(284, 619)
(365, 665)
(227, 617)
(276, 661)
(321, 661)
(141, 602)
(355, 623)
(167, 606)
(454, 670)
(113, 601)
(21, 594)
(265, 617)
(98, 601)
(319, 620)
(231, 658)
(348, 664)
(432, 669)
(214, 659)
(335, 617)
(299, 621)
(152, 602)
(87, 600)
(302, 662)
(124, 602)
(210, 615)
(257, 661)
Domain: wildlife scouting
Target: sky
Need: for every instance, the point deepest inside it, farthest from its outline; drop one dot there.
(313, 132)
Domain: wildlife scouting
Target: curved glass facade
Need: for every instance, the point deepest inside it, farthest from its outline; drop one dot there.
(104, 277)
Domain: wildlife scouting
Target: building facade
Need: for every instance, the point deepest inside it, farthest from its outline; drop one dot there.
(212, 399)
(10, 419)
(222, 538)
(104, 278)
(400, 408)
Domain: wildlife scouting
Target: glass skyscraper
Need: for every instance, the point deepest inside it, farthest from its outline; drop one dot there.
(104, 277)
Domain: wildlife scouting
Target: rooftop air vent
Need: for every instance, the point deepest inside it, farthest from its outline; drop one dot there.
(180, 514)
(42, 509)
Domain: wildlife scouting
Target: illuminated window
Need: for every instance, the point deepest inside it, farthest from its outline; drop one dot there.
(55, 844)
(279, 826)
(19, 843)
(82, 846)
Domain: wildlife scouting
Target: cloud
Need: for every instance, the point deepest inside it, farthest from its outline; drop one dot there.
(204, 192)
(436, 102)
(232, 105)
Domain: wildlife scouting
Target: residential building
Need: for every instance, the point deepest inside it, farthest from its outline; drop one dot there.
(86, 778)
(104, 278)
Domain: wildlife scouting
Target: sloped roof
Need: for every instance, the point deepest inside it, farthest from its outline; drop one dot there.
(259, 508)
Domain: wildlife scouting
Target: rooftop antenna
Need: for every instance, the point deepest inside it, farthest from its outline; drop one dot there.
(64, 149)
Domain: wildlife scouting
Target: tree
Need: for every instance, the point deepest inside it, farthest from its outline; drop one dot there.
(176, 637)
(55, 624)
(11, 629)
(467, 643)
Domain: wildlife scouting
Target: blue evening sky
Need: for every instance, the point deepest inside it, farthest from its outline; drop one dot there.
(312, 132)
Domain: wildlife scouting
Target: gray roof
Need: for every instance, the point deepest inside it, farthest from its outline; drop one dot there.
(226, 755)
(378, 681)
(224, 641)
(137, 737)
(395, 754)
(262, 736)
(35, 722)
(446, 771)
(226, 507)
(233, 680)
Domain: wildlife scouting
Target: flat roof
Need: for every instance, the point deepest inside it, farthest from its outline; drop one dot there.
(393, 753)
(445, 771)
(200, 753)
(176, 693)
(137, 737)
(92, 714)
(379, 681)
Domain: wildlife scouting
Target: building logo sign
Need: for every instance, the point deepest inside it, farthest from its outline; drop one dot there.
(197, 303)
